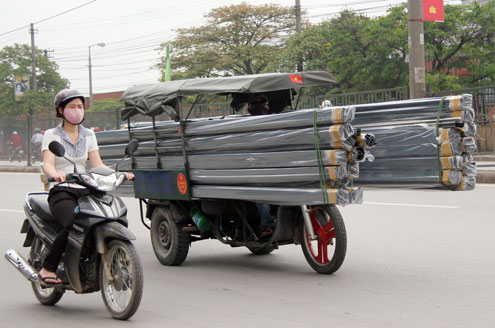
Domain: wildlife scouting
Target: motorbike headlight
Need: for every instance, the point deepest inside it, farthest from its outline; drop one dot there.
(89, 180)
(108, 182)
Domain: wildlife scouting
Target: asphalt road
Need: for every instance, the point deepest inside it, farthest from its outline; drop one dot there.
(414, 259)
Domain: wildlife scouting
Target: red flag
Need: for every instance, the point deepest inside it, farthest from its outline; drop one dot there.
(433, 11)
(296, 78)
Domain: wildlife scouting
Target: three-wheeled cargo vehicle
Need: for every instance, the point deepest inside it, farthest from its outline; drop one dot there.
(189, 173)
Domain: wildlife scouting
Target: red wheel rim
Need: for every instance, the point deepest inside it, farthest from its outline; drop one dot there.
(325, 236)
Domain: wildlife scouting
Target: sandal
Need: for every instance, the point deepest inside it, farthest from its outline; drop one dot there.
(266, 233)
(43, 281)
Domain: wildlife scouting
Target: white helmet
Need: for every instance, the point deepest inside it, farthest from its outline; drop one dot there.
(326, 103)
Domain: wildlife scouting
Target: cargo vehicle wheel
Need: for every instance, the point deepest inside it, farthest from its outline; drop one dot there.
(262, 250)
(169, 243)
(325, 254)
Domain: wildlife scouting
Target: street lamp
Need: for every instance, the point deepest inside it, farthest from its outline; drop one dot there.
(90, 75)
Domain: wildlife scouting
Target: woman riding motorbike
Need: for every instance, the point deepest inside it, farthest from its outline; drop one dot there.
(80, 144)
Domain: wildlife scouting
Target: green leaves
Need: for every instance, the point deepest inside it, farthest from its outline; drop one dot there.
(16, 60)
(236, 40)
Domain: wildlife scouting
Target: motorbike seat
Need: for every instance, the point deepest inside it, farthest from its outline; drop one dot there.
(39, 204)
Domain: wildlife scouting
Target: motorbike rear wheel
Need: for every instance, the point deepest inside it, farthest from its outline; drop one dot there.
(327, 253)
(46, 296)
(122, 293)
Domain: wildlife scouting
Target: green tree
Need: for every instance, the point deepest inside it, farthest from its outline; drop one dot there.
(363, 53)
(16, 60)
(370, 53)
(465, 41)
(236, 40)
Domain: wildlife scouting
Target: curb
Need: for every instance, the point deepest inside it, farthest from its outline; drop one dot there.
(485, 177)
(20, 169)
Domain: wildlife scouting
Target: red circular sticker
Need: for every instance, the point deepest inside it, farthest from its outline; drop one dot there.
(181, 183)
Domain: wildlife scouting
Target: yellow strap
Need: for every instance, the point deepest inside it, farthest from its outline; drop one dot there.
(333, 161)
(455, 103)
(332, 195)
(461, 185)
(444, 135)
(334, 132)
(445, 163)
(340, 119)
(446, 150)
(457, 113)
(445, 177)
(331, 172)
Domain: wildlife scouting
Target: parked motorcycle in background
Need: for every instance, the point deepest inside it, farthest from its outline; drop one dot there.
(99, 255)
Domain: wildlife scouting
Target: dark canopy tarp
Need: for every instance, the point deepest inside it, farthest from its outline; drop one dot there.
(156, 98)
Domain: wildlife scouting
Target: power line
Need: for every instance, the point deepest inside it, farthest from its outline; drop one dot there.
(43, 20)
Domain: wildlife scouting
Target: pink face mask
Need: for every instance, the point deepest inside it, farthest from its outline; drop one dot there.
(74, 115)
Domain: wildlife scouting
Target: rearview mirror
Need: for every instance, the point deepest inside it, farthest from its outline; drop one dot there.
(56, 148)
(131, 147)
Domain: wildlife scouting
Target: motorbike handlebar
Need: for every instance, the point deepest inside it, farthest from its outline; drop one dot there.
(69, 177)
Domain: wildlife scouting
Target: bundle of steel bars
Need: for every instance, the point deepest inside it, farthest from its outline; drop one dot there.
(312, 156)
(301, 157)
(420, 143)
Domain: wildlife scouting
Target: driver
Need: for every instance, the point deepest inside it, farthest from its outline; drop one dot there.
(80, 145)
(258, 105)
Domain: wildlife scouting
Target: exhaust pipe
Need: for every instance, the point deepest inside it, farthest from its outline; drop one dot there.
(21, 264)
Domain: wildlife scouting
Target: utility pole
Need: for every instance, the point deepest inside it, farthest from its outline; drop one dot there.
(298, 30)
(90, 78)
(417, 83)
(33, 62)
(101, 44)
(34, 87)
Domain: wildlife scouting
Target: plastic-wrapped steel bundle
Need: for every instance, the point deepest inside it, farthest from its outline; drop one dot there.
(420, 155)
(267, 177)
(285, 196)
(233, 124)
(276, 151)
(242, 160)
(336, 136)
(414, 109)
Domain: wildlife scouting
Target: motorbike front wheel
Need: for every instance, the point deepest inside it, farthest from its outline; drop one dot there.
(123, 290)
(325, 254)
(46, 296)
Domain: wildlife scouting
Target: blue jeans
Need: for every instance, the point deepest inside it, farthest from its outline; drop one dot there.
(267, 220)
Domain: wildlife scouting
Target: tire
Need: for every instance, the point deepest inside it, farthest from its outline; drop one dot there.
(262, 250)
(46, 296)
(169, 244)
(123, 295)
(326, 254)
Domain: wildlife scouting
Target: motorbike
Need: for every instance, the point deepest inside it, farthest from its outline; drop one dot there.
(36, 152)
(99, 255)
(15, 153)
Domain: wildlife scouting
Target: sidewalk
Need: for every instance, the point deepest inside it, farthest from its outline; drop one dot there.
(485, 168)
(15, 166)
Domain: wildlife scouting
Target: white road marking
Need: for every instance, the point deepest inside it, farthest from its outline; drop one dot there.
(411, 205)
(13, 211)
